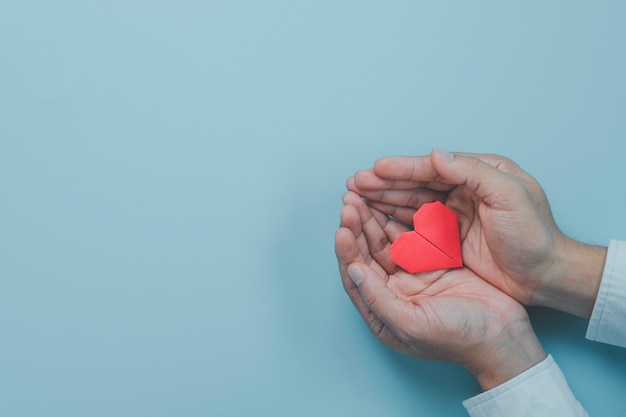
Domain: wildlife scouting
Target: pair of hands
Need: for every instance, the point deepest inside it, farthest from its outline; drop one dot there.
(513, 254)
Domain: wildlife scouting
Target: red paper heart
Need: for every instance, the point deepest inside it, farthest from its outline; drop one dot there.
(433, 244)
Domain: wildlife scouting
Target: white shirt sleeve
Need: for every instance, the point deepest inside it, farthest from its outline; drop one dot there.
(538, 392)
(608, 319)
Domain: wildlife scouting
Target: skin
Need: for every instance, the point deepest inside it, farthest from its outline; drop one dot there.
(508, 234)
(448, 315)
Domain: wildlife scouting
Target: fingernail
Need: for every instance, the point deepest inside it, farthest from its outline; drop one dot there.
(356, 274)
(443, 155)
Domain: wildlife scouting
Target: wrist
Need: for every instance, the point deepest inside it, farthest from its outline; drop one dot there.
(516, 351)
(572, 285)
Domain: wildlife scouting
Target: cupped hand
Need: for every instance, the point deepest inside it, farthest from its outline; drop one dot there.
(448, 315)
(508, 234)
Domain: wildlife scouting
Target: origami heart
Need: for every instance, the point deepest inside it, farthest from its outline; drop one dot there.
(433, 244)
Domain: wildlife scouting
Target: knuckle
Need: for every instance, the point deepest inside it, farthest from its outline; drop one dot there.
(378, 329)
(474, 162)
(371, 299)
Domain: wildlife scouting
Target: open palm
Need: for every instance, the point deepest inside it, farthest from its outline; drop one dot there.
(450, 315)
(508, 234)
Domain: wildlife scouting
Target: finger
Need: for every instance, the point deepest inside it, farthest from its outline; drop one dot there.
(407, 170)
(368, 180)
(403, 214)
(377, 297)
(405, 198)
(392, 228)
(351, 220)
(348, 251)
(378, 243)
(365, 238)
(379, 329)
(417, 169)
(510, 167)
(502, 163)
(346, 245)
(360, 183)
(344, 240)
(491, 185)
(380, 212)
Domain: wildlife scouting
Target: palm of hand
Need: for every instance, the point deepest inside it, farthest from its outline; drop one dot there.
(449, 312)
(506, 242)
(443, 315)
(508, 235)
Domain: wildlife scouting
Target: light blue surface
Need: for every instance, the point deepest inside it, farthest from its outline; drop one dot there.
(171, 174)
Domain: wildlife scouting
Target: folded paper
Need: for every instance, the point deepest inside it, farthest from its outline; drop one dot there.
(433, 243)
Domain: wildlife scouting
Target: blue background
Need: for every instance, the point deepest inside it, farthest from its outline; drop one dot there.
(170, 182)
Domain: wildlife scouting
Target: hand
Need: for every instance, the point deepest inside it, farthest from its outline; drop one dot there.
(508, 234)
(448, 315)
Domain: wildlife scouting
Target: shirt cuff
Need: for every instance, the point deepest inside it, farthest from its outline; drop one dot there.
(608, 319)
(538, 391)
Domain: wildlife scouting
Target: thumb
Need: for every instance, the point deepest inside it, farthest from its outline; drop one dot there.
(486, 181)
(376, 295)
